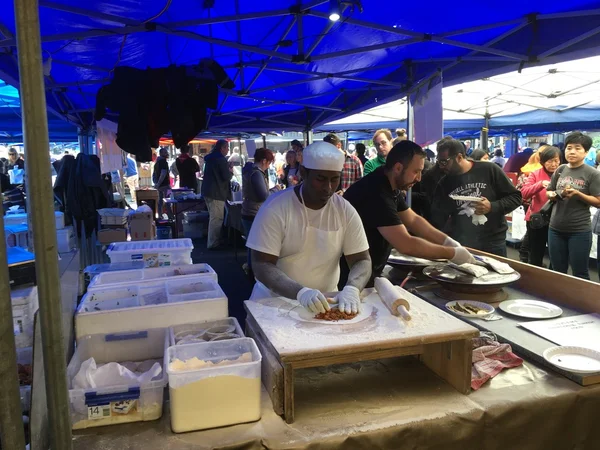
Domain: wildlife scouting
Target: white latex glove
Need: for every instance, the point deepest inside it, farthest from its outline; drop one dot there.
(313, 300)
(349, 300)
(462, 256)
(449, 242)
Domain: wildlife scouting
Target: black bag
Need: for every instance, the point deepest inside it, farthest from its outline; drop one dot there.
(546, 211)
(537, 220)
(541, 219)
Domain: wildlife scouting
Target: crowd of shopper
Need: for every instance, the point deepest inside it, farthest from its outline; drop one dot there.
(464, 197)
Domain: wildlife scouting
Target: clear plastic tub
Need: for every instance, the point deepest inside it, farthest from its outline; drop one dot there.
(25, 303)
(104, 406)
(110, 299)
(156, 253)
(205, 331)
(135, 276)
(155, 303)
(222, 389)
(65, 239)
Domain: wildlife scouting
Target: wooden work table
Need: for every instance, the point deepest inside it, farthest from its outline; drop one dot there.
(287, 344)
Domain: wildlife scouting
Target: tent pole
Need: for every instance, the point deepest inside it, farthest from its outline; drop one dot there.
(308, 136)
(483, 137)
(41, 211)
(410, 133)
(85, 141)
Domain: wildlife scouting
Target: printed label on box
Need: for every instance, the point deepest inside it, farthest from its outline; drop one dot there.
(99, 412)
(124, 407)
(164, 259)
(151, 259)
(137, 257)
(18, 325)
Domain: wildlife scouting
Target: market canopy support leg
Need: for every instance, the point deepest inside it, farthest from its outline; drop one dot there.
(41, 210)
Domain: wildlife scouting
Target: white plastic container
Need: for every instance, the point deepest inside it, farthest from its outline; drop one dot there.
(24, 305)
(222, 329)
(65, 239)
(113, 216)
(156, 304)
(155, 253)
(96, 407)
(21, 219)
(226, 391)
(135, 276)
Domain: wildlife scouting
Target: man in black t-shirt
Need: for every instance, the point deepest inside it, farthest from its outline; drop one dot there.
(480, 179)
(387, 219)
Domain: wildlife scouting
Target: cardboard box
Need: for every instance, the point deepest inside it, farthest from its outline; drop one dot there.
(108, 236)
(148, 196)
(142, 226)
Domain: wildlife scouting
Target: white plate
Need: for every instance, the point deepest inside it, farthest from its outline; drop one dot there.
(531, 309)
(304, 315)
(574, 359)
(489, 309)
(465, 198)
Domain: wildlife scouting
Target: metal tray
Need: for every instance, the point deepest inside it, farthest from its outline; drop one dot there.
(458, 281)
(400, 260)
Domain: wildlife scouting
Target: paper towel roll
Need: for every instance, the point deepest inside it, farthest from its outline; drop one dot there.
(392, 298)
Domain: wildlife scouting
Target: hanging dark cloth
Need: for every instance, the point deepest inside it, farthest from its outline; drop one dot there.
(80, 189)
(152, 102)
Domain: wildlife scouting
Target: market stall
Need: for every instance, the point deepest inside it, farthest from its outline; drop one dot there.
(343, 385)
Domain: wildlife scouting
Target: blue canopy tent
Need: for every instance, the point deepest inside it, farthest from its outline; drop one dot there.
(293, 67)
(11, 125)
(582, 118)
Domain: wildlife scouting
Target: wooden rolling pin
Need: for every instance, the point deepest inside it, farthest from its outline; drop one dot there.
(391, 297)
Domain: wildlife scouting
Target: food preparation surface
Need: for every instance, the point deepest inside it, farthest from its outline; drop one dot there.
(524, 342)
(395, 404)
(288, 344)
(295, 339)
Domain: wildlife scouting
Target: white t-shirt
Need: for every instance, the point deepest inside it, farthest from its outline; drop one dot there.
(279, 226)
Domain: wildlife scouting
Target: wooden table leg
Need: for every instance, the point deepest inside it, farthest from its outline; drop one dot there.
(451, 361)
(271, 368)
(288, 393)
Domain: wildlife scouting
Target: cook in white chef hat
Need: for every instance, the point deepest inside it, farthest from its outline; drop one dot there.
(323, 156)
(321, 171)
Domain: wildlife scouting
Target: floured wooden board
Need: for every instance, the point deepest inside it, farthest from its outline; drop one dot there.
(293, 338)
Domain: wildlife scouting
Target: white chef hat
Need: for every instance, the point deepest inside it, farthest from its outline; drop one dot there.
(323, 156)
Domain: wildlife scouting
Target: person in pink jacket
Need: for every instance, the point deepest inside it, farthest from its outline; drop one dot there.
(534, 188)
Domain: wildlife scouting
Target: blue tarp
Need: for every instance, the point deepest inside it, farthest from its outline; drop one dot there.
(11, 124)
(584, 118)
(293, 68)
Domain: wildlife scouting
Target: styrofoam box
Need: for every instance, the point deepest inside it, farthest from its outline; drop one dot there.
(135, 276)
(156, 303)
(21, 219)
(17, 236)
(155, 253)
(24, 305)
(224, 409)
(65, 239)
(25, 356)
(204, 331)
(95, 407)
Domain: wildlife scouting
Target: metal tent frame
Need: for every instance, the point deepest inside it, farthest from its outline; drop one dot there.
(283, 50)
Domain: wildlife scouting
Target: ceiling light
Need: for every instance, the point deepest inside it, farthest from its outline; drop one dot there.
(334, 10)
